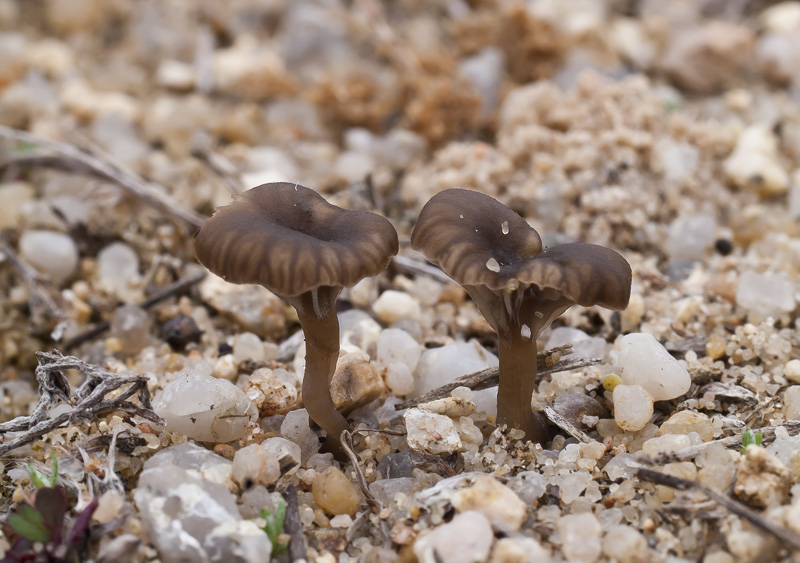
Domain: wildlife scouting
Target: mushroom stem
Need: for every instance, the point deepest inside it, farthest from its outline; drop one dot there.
(317, 315)
(517, 355)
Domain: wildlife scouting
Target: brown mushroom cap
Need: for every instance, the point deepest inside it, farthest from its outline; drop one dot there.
(481, 243)
(287, 238)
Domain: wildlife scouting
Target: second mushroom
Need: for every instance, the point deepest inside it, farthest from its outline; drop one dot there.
(287, 238)
(519, 288)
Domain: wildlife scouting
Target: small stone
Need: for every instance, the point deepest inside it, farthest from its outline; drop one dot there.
(118, 269)
(791, 403)
(341, 521)
(52, 254)
(288, 454)
(13, 197)
(499, 504)
(179, 331)
(356, 382)
(334, 493)
(518, 550)
(357, 328)
(254, 308)
(131, 325)
(625, 545)
(575, 406)
(687, 421)
(109, 506)
(396, 345)
(766, 294)
(272, 391)
(690, 237)
(645, 362)
(204, 523)
(580, 537)
(254, 465)
(705, 58)
(633, 407)
(682, 470)
(176, 75)
(454, 407)
(205, 408)
(792, 371)
(467, 538)
(716, 467)
(393, 305)
(248, 346)
(398, 378)
(665, 444)
(572, 485)
(754, 163)
(762, 481)
(781, 17)
(295, 428)
(225, 368)
(434, 433)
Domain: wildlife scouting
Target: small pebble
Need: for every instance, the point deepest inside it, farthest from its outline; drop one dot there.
(52, 254)
(580, 537)
(255, 465)
(625, 545)
(633, 407)
(356, 382)
(434, 433)
(467, 538)
(393, 305)
(644, 361)
(501, 506)
(334, 493)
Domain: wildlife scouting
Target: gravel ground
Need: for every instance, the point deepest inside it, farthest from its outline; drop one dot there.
(171, 399)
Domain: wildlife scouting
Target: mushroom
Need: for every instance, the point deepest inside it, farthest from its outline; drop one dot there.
(520, 289)
(287, 238)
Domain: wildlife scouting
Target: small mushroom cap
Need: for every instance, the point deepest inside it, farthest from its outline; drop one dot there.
(478, 241)
(287, 238)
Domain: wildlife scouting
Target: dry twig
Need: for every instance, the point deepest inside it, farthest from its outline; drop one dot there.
(217, 163)
(297, 544)
(158, 297)
(88, 401)
(104, 166)
(567, 426)
(490, 377)
(786, 536)
(410, 266)
(735, 441)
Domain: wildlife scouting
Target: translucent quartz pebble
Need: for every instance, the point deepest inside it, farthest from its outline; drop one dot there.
(434, 433)
(204, 522)
(633, 407)
(769, 293)
(205, 408)
(117, 267)
(131, 324)
(645, 362)
(295, 428)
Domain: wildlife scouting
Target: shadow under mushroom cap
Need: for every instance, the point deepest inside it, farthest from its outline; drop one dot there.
(478, 241)
(289, 239)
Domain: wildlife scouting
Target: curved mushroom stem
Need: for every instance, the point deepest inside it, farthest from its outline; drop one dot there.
(317, 315)
(517, 354)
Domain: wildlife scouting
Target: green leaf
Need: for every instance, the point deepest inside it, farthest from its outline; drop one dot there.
(29, 524)
(274, 526)
(36, 477)
(750, 437)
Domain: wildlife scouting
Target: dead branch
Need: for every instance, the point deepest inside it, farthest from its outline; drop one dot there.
(548, 361)
(156, 298)
(100, 164)
(567, 426)
(767, 436)
(297, 545)
(88, 400)
(786, 536)
(41, 302)
(347, 443)
(217, 163)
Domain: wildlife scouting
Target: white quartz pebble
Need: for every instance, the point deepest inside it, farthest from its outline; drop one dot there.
(580, 537)
(394, 305)
(644, 361)
(633, 407)
(434, 433)
(52, 254)
(396, 345)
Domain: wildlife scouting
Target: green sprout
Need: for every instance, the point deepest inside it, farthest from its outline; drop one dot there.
(38, 479)
(750, 437)
(274, 526)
